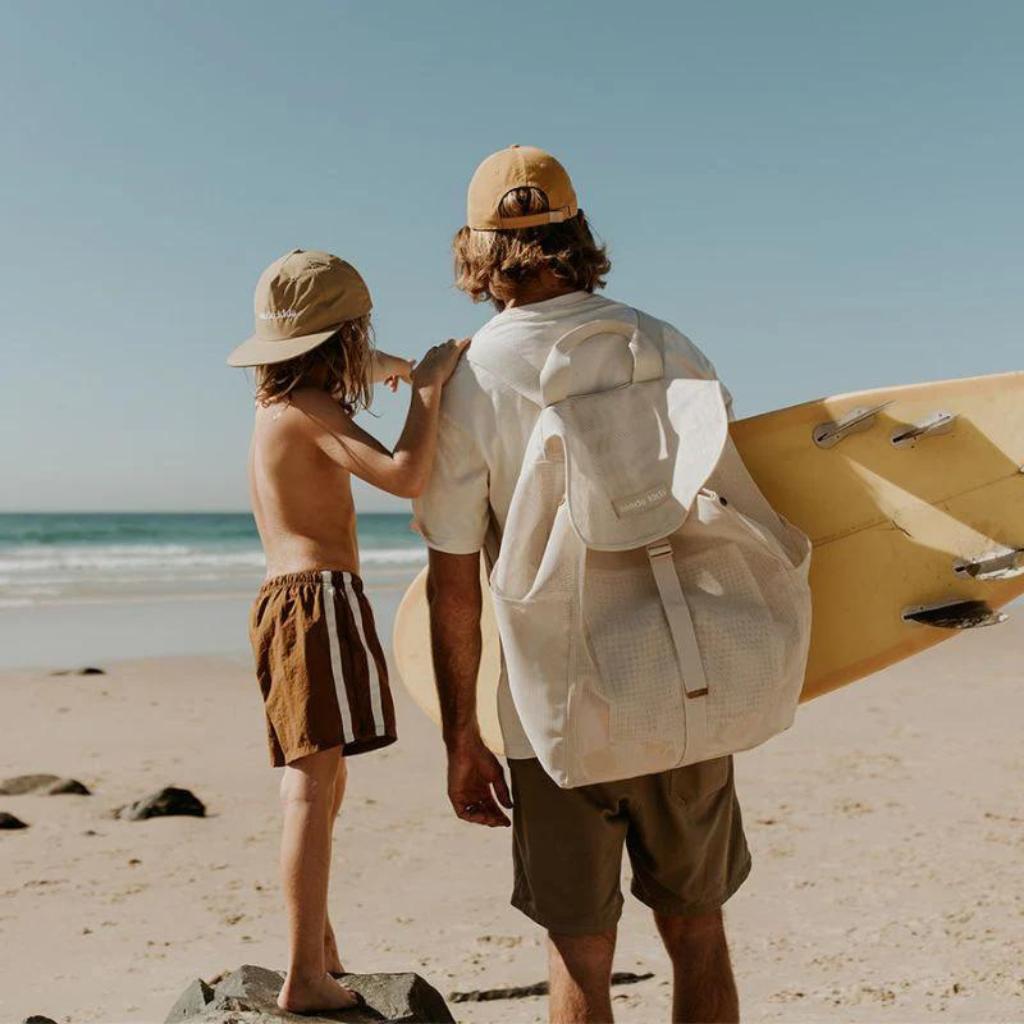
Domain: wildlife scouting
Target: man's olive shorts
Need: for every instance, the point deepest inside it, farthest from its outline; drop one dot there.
(682, 829)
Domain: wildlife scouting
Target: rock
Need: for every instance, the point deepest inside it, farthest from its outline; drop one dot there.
(9, 821)
(167, 802)
(400, 997)
(191, 1002)
(36, 1019)
(253, 991)
(73, 786)
(86, 670)
(50, 785)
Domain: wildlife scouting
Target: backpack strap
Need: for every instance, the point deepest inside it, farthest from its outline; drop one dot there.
(556, 377)
(684, 639)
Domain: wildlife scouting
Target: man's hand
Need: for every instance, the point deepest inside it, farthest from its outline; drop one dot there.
(476, 784)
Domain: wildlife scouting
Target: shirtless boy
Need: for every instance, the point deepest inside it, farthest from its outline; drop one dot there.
(319, 662)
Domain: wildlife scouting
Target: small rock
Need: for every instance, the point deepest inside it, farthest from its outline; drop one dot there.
(71, 786)
(9, 821)
(86, 670)
(397, 998)
(36, 1019)
(167, 802)
(41, 784)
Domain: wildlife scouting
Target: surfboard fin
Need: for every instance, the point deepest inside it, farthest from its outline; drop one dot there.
(828, 435)
(956, 614)
(908, 434)
(1001, 564)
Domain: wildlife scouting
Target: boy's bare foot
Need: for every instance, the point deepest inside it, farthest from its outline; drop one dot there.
(332, 958)
(307, 995)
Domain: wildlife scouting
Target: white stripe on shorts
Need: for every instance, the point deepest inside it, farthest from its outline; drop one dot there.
(371, 661)
(337, 673)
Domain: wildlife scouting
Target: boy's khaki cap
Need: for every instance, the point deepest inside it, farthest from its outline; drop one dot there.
(518, 167)
(301, 300)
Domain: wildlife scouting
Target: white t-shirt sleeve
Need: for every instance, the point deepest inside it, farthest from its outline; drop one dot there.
(453, 511)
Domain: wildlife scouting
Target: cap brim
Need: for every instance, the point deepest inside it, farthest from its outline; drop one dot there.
(257, 351)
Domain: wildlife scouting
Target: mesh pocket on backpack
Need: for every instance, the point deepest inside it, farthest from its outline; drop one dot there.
(739, 642)
(629, 640)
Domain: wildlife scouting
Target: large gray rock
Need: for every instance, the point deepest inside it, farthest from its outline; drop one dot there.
(41, 784)
(249, 996)
(166, 802)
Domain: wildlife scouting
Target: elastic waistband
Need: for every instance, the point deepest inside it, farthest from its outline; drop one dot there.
(313, 577)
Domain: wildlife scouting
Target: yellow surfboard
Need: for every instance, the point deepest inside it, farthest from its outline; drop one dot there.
(914, 499)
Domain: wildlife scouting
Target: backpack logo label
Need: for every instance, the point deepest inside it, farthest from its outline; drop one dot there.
(644, 501)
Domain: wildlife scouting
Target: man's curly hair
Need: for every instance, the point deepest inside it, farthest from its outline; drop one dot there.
(492, 266)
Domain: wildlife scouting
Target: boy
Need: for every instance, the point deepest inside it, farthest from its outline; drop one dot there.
(318, 659)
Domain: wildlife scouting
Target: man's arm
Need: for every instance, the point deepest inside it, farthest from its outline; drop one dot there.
(476, 782)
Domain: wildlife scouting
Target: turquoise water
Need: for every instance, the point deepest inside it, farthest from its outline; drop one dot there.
(60, 556)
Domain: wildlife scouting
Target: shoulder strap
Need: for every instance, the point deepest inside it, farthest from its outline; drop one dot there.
(650, 328)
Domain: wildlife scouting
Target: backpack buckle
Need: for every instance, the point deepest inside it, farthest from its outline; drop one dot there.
(659, 549)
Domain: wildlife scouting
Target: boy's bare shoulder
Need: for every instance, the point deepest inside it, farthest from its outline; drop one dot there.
(309, 411)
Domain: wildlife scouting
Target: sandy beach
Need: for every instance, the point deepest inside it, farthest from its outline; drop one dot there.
(887, 829)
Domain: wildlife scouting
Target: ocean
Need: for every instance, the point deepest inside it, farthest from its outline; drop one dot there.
(49, 558)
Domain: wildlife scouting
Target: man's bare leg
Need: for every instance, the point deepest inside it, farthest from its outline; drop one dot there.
(307, 795)
(704, 989)
(332, 958)
(580, 969)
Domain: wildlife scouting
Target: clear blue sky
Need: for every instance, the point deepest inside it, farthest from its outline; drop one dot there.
(824, 196)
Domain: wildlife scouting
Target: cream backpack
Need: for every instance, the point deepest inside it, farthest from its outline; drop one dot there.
(654, 611)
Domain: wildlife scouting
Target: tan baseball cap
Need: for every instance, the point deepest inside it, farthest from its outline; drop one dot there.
(301, 300)
(518, 167)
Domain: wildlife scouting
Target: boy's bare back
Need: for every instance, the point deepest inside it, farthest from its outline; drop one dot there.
(301, 496)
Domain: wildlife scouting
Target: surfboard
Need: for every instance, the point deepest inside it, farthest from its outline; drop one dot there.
(913, 497)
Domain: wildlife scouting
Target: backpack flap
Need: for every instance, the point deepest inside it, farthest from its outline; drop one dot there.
(636, 456)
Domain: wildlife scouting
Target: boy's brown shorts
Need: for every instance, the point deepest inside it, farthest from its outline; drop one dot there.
(320, 666)
(681, 828)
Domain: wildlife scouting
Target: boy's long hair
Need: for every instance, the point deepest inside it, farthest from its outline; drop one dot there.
(494, 265)
(342, 365)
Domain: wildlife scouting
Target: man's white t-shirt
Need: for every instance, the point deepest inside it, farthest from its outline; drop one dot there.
(485, 426)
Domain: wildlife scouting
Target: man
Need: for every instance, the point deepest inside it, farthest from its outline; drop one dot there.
(528, 249)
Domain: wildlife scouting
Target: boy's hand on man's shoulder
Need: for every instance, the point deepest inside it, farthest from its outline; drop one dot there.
(435, 368)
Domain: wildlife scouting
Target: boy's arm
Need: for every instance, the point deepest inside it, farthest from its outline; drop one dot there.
(476, 782)
(404, 471)
(387, 367)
